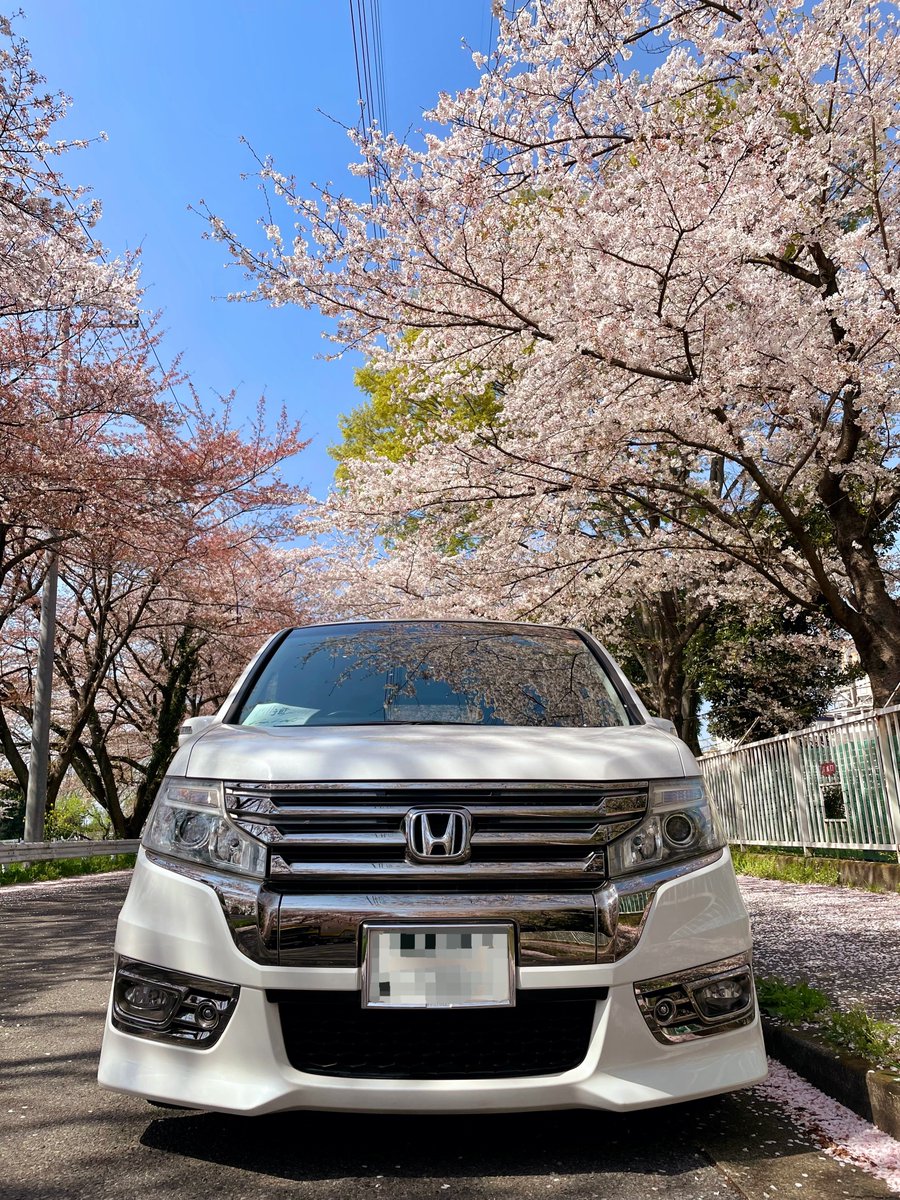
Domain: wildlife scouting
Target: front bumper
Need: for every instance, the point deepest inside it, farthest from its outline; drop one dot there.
(178, 923)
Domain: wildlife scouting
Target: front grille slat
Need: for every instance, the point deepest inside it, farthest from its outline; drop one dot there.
(514, 809)
(598, 836)
(380, 872)
(356, 831)
(340, 838)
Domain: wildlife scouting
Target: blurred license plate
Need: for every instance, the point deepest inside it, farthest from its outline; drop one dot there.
(438, 966)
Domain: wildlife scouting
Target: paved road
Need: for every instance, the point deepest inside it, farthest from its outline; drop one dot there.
(60, 1136)
(844, 940)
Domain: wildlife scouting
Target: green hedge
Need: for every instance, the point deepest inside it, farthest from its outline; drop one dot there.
(64, 868)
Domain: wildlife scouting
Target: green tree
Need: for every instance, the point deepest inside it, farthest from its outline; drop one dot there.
(766, 674)
(398, 411)
(12, 807)
(75, 816)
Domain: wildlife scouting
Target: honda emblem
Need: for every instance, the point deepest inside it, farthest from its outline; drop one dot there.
(435, 835)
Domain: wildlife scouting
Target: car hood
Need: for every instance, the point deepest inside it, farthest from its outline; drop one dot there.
(383, 753)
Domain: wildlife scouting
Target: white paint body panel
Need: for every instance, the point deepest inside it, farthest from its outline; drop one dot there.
(426, 752)
(178, 923)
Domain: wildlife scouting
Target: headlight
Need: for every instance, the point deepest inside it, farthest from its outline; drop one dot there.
(680, 823)
(188, 821)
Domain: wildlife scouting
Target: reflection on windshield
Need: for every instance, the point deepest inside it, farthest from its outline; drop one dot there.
(435, 673)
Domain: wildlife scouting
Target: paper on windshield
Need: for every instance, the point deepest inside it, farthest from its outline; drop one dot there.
(278, 714)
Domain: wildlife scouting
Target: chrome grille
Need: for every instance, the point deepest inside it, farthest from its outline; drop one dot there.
(318, 832)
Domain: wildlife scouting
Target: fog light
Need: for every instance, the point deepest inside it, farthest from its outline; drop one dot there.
(723, 996)
(170, 1006)
(699, 1001)
(149, 1002)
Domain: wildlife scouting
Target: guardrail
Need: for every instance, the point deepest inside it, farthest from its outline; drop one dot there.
(11, 852)
(832, 786)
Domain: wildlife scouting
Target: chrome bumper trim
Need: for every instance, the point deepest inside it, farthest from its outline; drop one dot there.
(685, 1021)
(322, 929)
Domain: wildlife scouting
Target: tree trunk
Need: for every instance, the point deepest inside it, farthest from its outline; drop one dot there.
(173, 703)
(659, 633)
(677, 699)
(878, 645)
(874, 620)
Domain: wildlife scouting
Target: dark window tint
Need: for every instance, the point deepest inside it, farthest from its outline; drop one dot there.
(434, 673)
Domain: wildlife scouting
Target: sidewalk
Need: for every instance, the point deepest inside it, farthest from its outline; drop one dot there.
(842, 940)
(845, 942)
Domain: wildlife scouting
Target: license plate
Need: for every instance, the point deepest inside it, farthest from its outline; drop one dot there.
(438, 966)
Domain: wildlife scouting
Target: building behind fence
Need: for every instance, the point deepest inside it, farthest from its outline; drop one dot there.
(834, 786)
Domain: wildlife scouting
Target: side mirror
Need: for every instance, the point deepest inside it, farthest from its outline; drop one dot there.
(192, 726)
(664, 724)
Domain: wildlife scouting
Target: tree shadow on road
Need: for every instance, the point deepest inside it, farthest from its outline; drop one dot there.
(53, 933)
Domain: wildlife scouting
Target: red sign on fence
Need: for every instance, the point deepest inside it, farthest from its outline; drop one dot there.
(828, 770)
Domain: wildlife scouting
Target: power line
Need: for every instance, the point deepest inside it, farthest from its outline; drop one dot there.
(379, 62)
(365, 17)
(368, 57)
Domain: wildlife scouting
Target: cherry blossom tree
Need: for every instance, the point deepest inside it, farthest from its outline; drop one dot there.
(669, 633)
(59, 299)
(49, 261)
(673, 229)
(173, 570)
(651, 627)
(161, 513)
(200, 625)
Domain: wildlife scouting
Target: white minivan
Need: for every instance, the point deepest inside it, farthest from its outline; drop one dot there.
(432, 866)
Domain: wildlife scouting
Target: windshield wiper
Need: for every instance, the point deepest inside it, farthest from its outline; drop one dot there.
(425, 721)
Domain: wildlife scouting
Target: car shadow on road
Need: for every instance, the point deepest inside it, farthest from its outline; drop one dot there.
(307, 1146)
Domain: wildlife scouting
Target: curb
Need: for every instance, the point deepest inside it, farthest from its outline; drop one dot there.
(871, 1094)
(852, 872)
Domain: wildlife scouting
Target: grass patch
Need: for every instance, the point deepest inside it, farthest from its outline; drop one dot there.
(64, 868)
(797, 1003)
(876, 1041)
(804, 870)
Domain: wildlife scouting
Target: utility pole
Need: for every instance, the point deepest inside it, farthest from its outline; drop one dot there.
(39, 762)
(39, 759)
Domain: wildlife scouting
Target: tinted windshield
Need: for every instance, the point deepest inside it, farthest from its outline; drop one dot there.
(435, 673)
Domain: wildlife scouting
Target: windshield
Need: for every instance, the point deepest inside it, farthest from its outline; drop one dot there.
(436, 673)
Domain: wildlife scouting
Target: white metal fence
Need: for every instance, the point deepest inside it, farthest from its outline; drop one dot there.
(834, 786)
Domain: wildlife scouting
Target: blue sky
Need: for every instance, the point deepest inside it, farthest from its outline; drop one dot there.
(175, 85)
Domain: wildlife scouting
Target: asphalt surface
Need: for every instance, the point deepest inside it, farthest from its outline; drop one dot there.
(61, 1136)
(843, 940)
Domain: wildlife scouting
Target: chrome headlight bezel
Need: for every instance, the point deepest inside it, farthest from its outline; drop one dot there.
(188, 821)
(680, 824)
